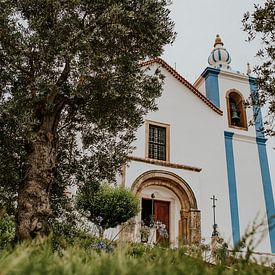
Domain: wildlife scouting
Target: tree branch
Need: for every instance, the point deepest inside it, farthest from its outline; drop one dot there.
(63, 77)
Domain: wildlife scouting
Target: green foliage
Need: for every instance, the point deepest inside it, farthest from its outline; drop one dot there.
(64, 236)
(7, 230)
(109, 206)
(39, 258)
(261, 23)
(13, 155)
(70, 70)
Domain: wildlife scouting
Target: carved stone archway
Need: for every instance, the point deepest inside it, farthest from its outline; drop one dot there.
(189, 224)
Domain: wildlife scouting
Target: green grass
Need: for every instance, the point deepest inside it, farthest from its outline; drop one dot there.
(39, 258)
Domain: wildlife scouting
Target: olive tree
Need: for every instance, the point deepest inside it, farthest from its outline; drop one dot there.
(72, 94)
(261, 23)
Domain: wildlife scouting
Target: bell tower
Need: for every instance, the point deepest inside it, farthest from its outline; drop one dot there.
(219, 59)
(245, 153)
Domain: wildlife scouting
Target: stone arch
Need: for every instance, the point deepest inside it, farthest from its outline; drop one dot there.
(189, 225)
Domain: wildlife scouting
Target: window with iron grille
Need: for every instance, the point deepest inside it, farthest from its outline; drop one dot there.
(157, 142)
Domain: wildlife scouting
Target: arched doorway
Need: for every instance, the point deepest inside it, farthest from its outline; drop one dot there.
(186, 223)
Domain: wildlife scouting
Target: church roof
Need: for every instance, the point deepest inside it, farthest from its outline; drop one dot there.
(176, 75)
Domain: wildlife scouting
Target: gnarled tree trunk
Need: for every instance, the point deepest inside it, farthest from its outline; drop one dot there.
(34, 208)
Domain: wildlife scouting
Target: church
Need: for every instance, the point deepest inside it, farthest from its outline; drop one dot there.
(198, 150)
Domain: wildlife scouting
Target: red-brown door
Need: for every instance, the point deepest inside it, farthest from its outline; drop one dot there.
(161, 213)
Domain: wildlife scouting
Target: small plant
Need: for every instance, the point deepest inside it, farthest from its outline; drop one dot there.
(147, 233)
(221, 252)
(144, 233)
(107, 207)
(161, 228)
(7, 230)
(104, 246)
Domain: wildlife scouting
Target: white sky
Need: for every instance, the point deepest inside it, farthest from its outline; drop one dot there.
(197, 22)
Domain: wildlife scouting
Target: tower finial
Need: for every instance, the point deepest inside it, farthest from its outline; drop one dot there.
(219, 57)
(218, 40)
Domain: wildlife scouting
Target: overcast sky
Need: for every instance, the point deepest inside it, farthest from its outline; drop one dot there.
(197, 22)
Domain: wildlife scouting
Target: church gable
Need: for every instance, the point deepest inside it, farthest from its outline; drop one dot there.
(183, 81)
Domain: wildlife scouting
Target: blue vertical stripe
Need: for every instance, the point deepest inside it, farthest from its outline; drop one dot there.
(232, 186)
(266, 179)
(268, 193)
(256, 109)
(212, 85)
(219, 55)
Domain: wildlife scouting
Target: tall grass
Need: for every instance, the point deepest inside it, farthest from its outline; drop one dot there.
(39, 258)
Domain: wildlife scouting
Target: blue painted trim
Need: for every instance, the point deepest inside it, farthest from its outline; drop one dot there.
(212, 85)
(228, 57)
(256, 109)
(210, 70)
(232, 186)
(268, 193)
(266, 179)
(219, 54)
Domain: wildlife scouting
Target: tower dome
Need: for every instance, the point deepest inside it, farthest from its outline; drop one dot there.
(219, 57)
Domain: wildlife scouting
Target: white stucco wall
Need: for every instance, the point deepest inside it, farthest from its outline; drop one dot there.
(249, 188)
(197, 139)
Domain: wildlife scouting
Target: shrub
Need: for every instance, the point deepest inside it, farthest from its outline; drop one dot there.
(7, 230)
(108, 207)
(37, 257)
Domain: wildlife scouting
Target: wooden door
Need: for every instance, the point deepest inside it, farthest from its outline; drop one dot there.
(161, 213)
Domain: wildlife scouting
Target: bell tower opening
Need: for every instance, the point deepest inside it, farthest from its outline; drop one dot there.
(236, 110)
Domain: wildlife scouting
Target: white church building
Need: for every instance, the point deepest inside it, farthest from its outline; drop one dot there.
(199, 143)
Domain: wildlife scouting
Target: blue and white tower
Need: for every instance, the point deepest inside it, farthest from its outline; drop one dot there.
(249, 184)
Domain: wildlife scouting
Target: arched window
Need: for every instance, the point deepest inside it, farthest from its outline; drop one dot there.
(235, 110)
